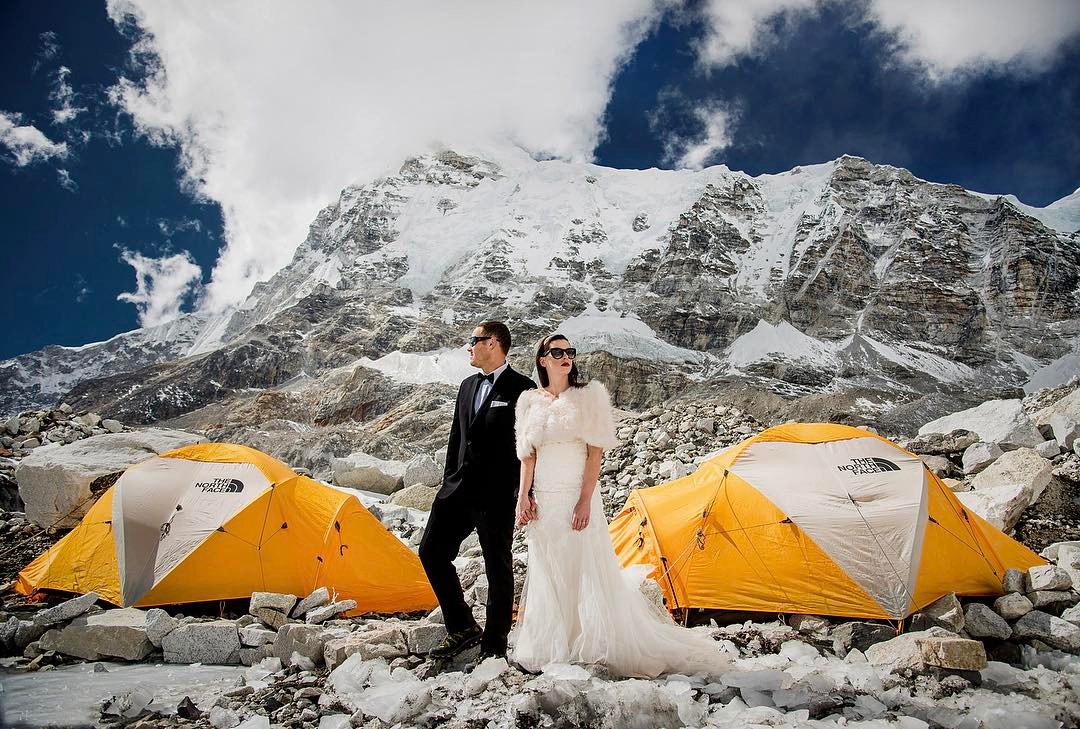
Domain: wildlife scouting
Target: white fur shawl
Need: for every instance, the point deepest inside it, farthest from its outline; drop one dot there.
(580, 413)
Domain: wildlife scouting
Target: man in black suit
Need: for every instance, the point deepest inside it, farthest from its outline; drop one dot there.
(479, 491)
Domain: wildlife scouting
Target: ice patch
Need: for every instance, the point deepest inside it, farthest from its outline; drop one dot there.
(72, 695)
(448, 366)
(780, 341)
(622, 335)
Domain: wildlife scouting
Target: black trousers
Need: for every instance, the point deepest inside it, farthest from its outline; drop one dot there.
(451, 520)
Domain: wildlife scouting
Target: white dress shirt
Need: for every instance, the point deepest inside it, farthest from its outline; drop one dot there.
(485, 386)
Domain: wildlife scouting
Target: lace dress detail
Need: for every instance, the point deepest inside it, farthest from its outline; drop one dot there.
(578, 604)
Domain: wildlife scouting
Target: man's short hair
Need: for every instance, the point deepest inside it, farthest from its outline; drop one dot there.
(499, 331)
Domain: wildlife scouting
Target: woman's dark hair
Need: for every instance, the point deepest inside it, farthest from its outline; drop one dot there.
(542, 348)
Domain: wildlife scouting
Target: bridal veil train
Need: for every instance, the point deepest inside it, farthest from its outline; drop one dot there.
(578, 604)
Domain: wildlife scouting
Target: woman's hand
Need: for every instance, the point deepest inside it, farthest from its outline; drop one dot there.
(526, 510)
(580, 519)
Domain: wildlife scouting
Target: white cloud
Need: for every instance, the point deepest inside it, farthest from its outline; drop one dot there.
(737, 28)
(63, 98)
(715, 121)
(65, 180)
(161, 285)
(966, 35)
(26, 143)
(277, 106)
(942, 38)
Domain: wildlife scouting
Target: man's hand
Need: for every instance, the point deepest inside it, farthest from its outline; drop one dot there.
(526, 511)
(580, 519)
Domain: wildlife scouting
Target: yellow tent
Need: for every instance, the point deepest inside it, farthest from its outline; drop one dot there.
(217, 521)
(813, 518)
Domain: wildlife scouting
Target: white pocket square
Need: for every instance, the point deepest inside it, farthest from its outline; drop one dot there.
(498, 404)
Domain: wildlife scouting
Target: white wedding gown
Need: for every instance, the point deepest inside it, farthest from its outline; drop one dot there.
(578, 604)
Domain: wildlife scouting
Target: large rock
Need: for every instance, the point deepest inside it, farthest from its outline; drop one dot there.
(159, 624)
(980, 621)
(1004, 422)
(54, 483)
(422, 637)
(415, 497)
(381, 642)
(67, 610)
(945, 612)
(936, 647)
(940, 466)
(1047, 577)
(274, 600)
(112, 634)
(306, 640)
(319, 615)
(1000, 506)
(1014, 580)
(933, 443)
(1065, 409)
(368, 473)
(1053, 631)
(1013, 606)
(1051, 598)
(1021, 466)
(216, 642)
(319, 596)
(980, 455)
(856, 635)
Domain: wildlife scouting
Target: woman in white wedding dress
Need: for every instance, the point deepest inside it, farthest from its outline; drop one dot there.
(578, 605)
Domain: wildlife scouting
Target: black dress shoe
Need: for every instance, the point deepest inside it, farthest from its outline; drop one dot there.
(457, 642)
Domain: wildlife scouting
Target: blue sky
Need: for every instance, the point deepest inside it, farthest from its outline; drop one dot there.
(171, 178)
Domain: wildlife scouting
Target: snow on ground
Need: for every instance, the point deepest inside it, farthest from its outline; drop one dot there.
(449, 366)
(72, 695)
(623, 335)
(1058, 372)
(768, 341)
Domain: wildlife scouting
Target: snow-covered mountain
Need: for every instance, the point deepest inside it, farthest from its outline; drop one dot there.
(843, 277)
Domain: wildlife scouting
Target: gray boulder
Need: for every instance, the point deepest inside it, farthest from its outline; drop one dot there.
(380, 642)
(1055, 632)
(117, 633)
(859, 636)
(324, 613)
(67, 610)
(980, 621)
(216, 642)
(945, 612)
(159, 624)
(1004, 422)
(253, 636)
(319, 597)
(940, 466)
(1047, 577)
(273, 600)
(424, 636)
(305, 640)
(935, 443)
(1072, 615)
(415, 497)
(54, 482)
(1013, 606)
(368, 473)
(936, 647)
(1048, 449)
(1051, 598)
(1065, 428)
(1014, 580)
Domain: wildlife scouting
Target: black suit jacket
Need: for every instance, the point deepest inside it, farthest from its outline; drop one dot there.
(481, 459)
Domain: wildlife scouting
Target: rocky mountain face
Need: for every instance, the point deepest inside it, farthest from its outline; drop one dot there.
(844, 290)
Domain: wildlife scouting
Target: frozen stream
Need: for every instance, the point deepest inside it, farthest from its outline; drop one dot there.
(72, 695)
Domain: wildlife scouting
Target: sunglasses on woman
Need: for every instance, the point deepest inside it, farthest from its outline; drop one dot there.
(559, 352)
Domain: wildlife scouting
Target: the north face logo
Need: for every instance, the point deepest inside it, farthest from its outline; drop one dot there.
(859, 466)
(221, 486)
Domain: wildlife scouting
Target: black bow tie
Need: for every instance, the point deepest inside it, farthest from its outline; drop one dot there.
(490, 378)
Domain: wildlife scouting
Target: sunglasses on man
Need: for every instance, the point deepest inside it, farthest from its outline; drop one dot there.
(559, 352)
(473, 340)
